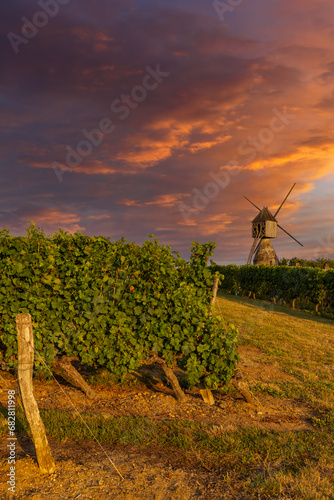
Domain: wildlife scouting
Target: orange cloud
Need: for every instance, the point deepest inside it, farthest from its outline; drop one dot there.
(165, 200)
(315, 162)
(52, 219)
(144, 150)
(99, 216)
(209, 225)
(88, 167)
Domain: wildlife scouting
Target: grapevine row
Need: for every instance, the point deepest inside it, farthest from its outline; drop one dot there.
(311, 286)
(114, 304)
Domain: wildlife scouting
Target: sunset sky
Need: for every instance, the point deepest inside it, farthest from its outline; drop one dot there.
(124, 118)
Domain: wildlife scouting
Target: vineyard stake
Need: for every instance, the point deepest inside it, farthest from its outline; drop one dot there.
(206, 394)
(25, 341)
(214, 291)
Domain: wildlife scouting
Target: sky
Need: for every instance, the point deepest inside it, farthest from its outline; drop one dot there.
(127, 118)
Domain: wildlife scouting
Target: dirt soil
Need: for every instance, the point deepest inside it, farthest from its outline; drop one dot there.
(84, 471)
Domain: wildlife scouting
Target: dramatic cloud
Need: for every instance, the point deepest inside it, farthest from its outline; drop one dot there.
(124, 118)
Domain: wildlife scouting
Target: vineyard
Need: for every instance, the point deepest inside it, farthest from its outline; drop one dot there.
(305, 287)
(114, 305)
(124, 312)
(279, 446)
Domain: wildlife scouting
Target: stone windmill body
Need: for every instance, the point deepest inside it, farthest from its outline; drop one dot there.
(264, 228)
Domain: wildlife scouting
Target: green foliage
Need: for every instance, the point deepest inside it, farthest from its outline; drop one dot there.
(113, 304)
(319, 263)
(312, 285)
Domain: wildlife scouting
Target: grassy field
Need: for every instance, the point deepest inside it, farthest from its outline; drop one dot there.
(249, 462)
(300, 343)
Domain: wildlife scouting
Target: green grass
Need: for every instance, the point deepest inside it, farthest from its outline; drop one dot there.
(260, 388)
(300, 343)
(255, 463)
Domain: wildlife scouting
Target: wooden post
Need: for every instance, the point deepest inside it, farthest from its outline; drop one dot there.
(25, 368)
(207, 396)
(214, 291)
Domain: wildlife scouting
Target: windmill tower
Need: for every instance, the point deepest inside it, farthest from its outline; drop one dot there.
(264, 228)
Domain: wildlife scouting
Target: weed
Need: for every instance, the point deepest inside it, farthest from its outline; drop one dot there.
(268, 389)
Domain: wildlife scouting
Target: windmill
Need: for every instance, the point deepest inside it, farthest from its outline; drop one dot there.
(264, 227)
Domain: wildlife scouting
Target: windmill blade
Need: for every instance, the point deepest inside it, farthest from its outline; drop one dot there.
(281, 205)
(290, 235)
(259, 209)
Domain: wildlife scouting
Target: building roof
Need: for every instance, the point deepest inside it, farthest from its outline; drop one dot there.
(264, 215)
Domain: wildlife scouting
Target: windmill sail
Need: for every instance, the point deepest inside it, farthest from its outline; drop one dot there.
(290, 235)
(281, 205)
(252, 203)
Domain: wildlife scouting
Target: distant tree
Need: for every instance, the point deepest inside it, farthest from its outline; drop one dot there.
(320, 263)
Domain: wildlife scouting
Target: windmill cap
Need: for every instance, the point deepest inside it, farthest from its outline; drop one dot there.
(264, 215)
